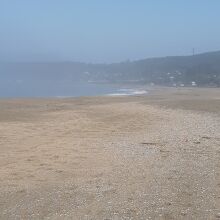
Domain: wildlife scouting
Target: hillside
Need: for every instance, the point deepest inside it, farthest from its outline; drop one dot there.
(201, 70)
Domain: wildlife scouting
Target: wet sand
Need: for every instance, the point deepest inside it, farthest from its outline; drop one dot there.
(144, 157)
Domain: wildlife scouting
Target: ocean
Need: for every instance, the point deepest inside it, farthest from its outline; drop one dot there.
(35, 89)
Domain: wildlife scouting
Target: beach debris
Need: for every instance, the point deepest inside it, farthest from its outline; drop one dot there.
(206, 137)
(149, 143)
(164, 151)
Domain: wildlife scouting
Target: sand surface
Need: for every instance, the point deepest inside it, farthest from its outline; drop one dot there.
(145, 157)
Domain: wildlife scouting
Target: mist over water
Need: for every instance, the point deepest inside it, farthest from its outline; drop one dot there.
(21, 88)
(58, 80)
(61, 89)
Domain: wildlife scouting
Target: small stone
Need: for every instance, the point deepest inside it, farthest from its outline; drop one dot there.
(217, 215)
(183, 213)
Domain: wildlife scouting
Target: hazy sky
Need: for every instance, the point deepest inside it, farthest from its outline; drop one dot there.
(106, 30)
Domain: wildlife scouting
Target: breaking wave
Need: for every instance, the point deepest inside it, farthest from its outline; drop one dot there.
(128, 92)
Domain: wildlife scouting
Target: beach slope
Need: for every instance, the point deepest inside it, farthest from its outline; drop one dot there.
(140, 157)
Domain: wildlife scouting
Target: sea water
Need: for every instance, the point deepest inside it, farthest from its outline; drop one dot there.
(60, 89)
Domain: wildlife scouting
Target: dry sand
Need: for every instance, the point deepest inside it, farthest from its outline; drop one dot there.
(143, 157)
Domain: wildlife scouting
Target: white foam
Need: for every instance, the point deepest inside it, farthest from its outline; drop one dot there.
(117, 94)
(140, 92)
(128, 92)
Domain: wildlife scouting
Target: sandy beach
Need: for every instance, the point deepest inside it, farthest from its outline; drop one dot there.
(154, 156)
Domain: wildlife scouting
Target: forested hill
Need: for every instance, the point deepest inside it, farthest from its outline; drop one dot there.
(201, 70)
